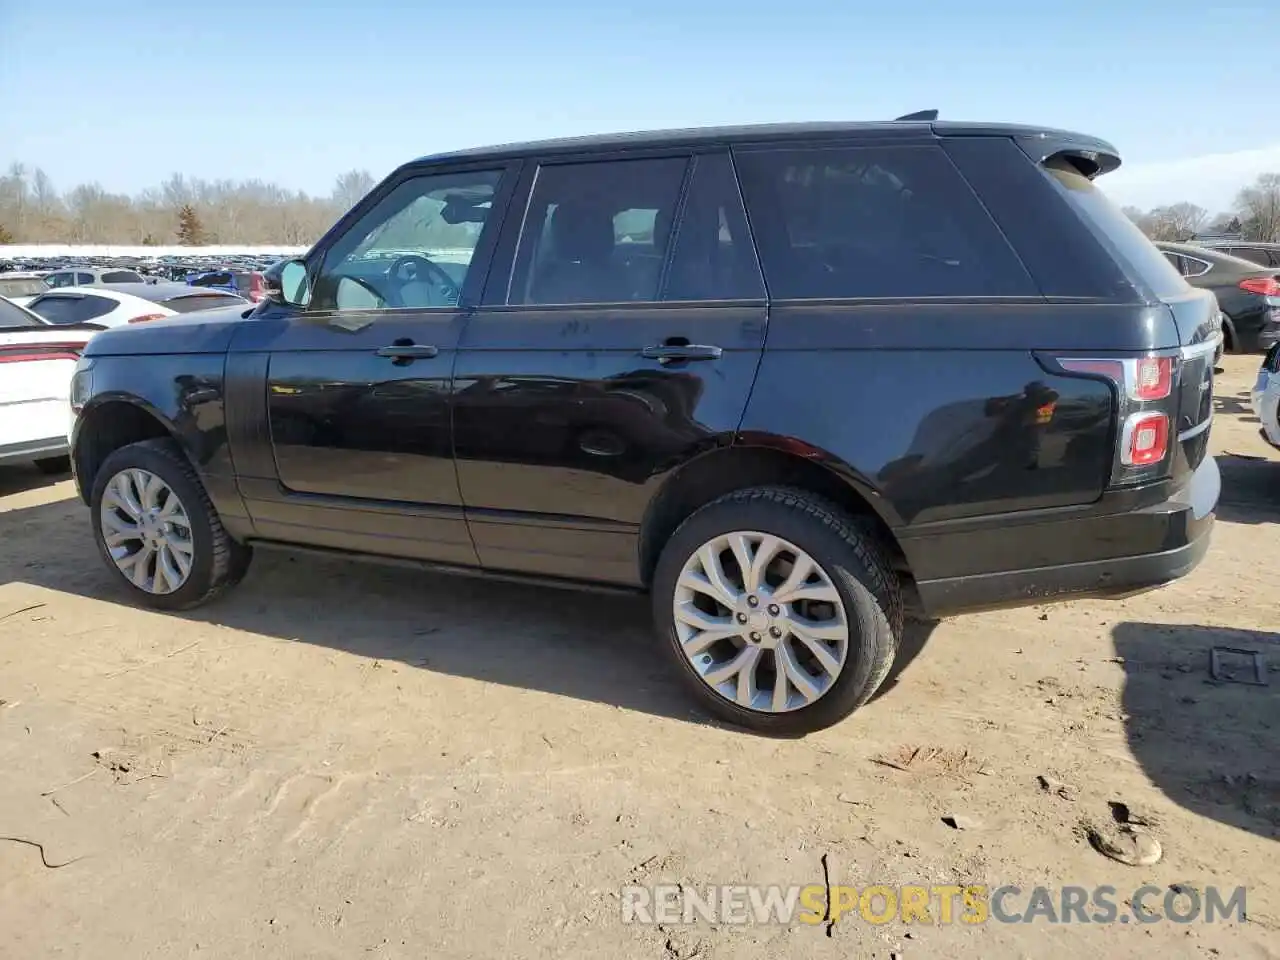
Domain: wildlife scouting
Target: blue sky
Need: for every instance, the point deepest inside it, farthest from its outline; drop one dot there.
(297, 92)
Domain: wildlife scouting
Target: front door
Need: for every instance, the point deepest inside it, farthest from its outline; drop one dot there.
(622, 341)
(358, 383)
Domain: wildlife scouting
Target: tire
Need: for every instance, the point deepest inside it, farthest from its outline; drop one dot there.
(51, 466)
(853, 561)
(217, 561)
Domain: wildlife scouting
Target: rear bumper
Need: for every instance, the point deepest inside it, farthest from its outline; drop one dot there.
(1175, 533)
(33, 450)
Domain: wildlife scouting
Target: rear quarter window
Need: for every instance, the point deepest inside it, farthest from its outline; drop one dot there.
(1144, 262)
(873, 222)
(122, 276)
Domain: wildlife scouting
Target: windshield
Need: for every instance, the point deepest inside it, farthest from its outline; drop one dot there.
(22, 286)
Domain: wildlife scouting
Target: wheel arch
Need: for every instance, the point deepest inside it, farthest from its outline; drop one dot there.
(762, 460)
(112, 421)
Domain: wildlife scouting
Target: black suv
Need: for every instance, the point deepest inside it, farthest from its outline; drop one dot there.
(780, 377)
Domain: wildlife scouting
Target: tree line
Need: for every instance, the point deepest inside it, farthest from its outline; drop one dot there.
(192, 211)
(1255, 215)
(180, 210)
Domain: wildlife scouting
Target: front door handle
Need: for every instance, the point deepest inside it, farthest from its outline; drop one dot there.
(408, 351)
(671, 353)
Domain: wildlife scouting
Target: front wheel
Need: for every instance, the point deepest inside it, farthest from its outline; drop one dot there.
(780, 611)
(157, 530)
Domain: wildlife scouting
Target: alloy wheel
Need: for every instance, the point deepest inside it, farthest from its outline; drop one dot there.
(146, 531)
(761, 622)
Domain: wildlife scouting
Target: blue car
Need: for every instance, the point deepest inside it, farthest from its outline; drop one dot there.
(246, 283)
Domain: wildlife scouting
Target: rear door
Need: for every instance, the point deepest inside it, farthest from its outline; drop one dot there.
(357, 396)
(622, 340)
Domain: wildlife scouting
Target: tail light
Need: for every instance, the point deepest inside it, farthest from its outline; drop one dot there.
(1263, 286)
(1144, 440)
(23, 352)
(148, 316)
(256, 287)
(1144, 387)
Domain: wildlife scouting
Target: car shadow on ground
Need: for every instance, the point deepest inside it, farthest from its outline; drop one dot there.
(587, 646)
(1250, 489)
(18, 478)
(1236, 404)
(1209, 744)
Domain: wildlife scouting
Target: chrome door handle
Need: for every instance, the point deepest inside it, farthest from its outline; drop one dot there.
(688, 351)
(408, 351)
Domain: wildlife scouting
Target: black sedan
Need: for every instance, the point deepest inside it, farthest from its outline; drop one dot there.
(1248, 294)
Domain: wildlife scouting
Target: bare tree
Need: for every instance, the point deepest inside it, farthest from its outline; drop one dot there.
(351, 187)
(1179, 221)
(1258, 206)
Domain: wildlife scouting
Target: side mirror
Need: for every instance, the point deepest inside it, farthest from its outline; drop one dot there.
(285, 283)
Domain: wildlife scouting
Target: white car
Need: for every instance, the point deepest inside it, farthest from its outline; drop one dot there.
(37, 361)
(1266, 396)
(125, 303)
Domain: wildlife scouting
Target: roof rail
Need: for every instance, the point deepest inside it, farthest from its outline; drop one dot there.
(919, 115)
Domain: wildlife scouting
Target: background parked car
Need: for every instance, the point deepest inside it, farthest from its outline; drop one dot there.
(123, 304)
(1265, 397)
(1248, 294)
(36, 364)
(92, 276)
(245, 283)
(1263, 254)
(22, 284)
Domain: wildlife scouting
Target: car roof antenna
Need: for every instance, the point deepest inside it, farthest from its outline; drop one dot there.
(920, 115)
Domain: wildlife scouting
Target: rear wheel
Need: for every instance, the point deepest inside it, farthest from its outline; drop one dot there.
(779, 610)
(157, 530)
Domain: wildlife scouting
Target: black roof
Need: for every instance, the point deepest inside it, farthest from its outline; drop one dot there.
(696, 136)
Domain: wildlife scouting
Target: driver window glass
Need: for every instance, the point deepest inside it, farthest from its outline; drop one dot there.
(873, 222)
(413, 249)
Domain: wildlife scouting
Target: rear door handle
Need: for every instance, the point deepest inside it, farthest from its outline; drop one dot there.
(687, 351)
(408, 351)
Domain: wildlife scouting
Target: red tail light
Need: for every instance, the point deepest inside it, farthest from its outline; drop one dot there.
(1263, 286)
(256, 289)
(1146, 403)
(22, 352)
(1140, 378)
(148, 316)
(1144, 440)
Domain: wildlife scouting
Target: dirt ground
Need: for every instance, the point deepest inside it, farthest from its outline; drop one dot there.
(346, 761)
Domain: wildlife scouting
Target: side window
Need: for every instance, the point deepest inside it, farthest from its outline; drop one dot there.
(1176, 260)
(413, 248)
(597, 232)
(84, 279)
(60, 279)
(122, 276)
(713, 257)
(1194, 267)
(873, 222)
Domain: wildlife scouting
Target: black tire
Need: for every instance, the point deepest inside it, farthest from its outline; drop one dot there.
(52, 466)
(853, 558)
(219, 562)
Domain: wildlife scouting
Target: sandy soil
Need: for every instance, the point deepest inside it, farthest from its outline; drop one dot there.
(347, 761)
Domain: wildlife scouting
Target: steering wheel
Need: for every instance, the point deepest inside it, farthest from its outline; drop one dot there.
(448, 289)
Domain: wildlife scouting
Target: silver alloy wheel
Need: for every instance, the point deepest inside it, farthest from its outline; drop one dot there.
(146, 530)
(761, 622)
